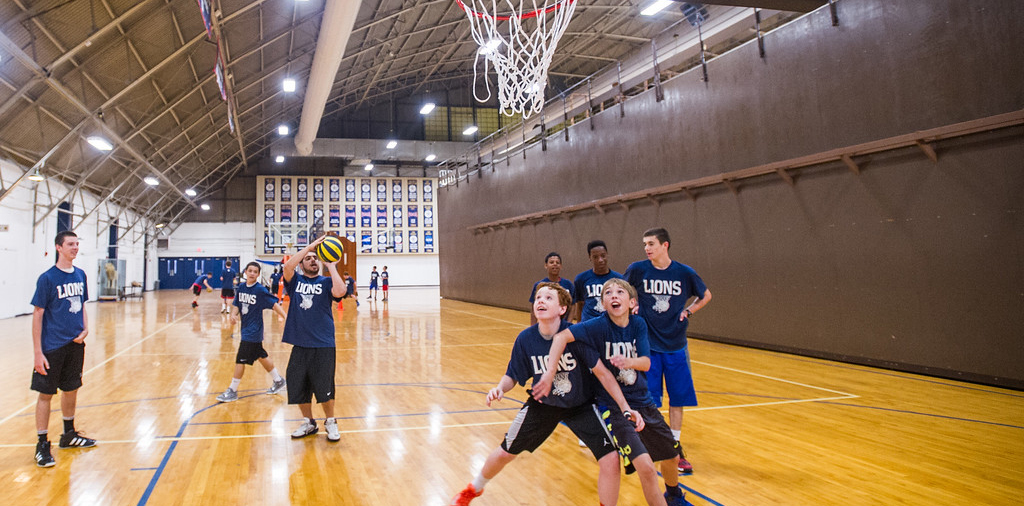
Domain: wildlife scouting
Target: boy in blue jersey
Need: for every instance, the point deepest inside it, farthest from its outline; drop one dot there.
(309, 328)
(373, 283)
(665, 288)
(384, 282)
(589, 283)
(275, 282)
(553, 264)
(197, 287)
(621, 339)
(227, 287)
(571, 401)
(250, 300)
(59, 328)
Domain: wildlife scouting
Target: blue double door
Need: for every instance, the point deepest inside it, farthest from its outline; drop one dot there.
(180, 272)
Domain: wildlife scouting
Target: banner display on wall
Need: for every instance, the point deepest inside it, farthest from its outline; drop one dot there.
(428, 216)
(366, 244)
(414, 246)
(286, 189)
(268, 190)
(334, 221)
(428, 191)
(365, 190)
(350, 215)
(301, 189)
(382, 190)
(334, 190)
(413, 216)
(428, 241)
(366, 216)
(286, 213)
(396, 190)
(350, 190)
(318, 190)
(382, 216)
(413, 191)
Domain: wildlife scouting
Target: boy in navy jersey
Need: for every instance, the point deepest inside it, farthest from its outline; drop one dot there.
(664, 288)
(588, 283)
(59, 327)
(197, 287)
(553, 264)
(621, 339)
(384, 282)
(373, 283)
(309, 328)
(571, 401)
(250, 300)
(227, 287)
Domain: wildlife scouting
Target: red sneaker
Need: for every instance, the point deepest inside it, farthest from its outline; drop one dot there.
(684, 466)
(468, 494)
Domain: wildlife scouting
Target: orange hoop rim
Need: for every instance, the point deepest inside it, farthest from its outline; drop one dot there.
(531, 14)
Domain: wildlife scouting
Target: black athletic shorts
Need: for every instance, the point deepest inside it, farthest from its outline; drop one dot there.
(227, 293)
(310, 372)
(249, 352)
(196, 289)
(656, 439)
(65, 370)
(535, 422)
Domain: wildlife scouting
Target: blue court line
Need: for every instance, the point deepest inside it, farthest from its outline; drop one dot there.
(932, 415)
(698, 494)
(143, 469)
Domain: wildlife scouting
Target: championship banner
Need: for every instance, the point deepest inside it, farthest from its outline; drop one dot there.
(365, 187)
(428, 216)
(301, 190)
(396, 215)
(382, 216)
(350, 190)
(413, 216)
(428, 241)
(413, 191)
(398, 241)
(366, 216)
(302, 238)
(396, 190)
(269, 213)
(318, 217)
(350, 216)
(382, 242)
(351, 235)
(286, 213)
(286, 188)
(335, 216)
(414, 240)
(268, 190)
(428, 191)
(318, 190)
(366, 245)
(335, 189)
(382, 190)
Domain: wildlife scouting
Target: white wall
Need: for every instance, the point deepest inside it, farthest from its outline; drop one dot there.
(27, 250)
(237, 239)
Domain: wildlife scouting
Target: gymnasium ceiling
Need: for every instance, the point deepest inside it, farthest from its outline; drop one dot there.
(140, 74)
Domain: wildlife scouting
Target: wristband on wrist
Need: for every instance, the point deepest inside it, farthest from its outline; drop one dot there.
(688, 312)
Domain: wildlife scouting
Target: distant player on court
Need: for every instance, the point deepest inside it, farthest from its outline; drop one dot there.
(373, 283)
(309, 328)
(227, 287)
(384, 282)
(250, 300)
(197, 287)
(350, 291)
(59, 328)
(571, 402)
(589, 282)
(664, 288)
(553, 264)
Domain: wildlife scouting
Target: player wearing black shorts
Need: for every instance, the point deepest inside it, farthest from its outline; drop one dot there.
(309, 328)
(227, 287)
(571, 402)
(59, 328)
(197, 287)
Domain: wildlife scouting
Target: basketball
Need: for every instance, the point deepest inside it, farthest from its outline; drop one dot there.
(330, 250)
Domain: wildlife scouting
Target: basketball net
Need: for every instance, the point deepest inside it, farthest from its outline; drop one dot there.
(519, 45)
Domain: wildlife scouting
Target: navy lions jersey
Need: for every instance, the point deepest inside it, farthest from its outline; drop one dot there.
(608, 339)
(573, 384)
(662, 296)
(251, 301)
(588, 291)
(310, 322)
(62, 295)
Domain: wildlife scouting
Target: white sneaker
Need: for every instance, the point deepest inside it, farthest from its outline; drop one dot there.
(332, 430)
(306, 429)
(276, 387)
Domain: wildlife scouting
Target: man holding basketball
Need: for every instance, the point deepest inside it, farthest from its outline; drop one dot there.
(309, 328)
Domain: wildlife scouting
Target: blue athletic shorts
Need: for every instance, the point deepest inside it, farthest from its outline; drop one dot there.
(675, 369)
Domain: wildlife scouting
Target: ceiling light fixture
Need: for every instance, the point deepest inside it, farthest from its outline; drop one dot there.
(431, 157)
(392, 144)
(279, 159)
(190, 192)
(425, 110)
(368, 167)
(655, 7)
(288, 85)
(470, 130)
(159, 225)
(205, 207)
(36, 176)
(151, 181)
(100, 143)
(282, 130)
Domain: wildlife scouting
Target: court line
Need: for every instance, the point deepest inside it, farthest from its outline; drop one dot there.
(846, 394)
(97, 366)
(484, 316)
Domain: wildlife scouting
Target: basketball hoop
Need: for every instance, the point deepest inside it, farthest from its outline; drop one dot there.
(520, 45)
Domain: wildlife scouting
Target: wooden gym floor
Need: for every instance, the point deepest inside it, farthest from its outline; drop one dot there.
(772, 429)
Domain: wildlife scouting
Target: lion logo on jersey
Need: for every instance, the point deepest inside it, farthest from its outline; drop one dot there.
(599, 307)
(561, 385)
(245, 309)
(76, 305)
(307, 300)
(660, 303)
(626, 376)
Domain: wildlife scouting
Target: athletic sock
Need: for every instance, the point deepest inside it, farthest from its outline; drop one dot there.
(479, 483)
(69, 424)
(42, 436)
(234, 383)
(276, 375)
(676, 433)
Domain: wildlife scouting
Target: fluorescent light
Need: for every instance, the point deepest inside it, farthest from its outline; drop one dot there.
(425, 110)
(392, 144)
(36, 176)
(431, 157)
(205, 207)
(368, 167)
(190, 192)
(100, 143)
(279, 159)
(151, 181)
(288, 85)
(159, 225)
(470, 130)
(282, 130)
(655, 7)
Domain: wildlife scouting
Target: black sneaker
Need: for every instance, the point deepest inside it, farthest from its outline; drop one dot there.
(195, 305)
(43, 456)
(75, 439)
